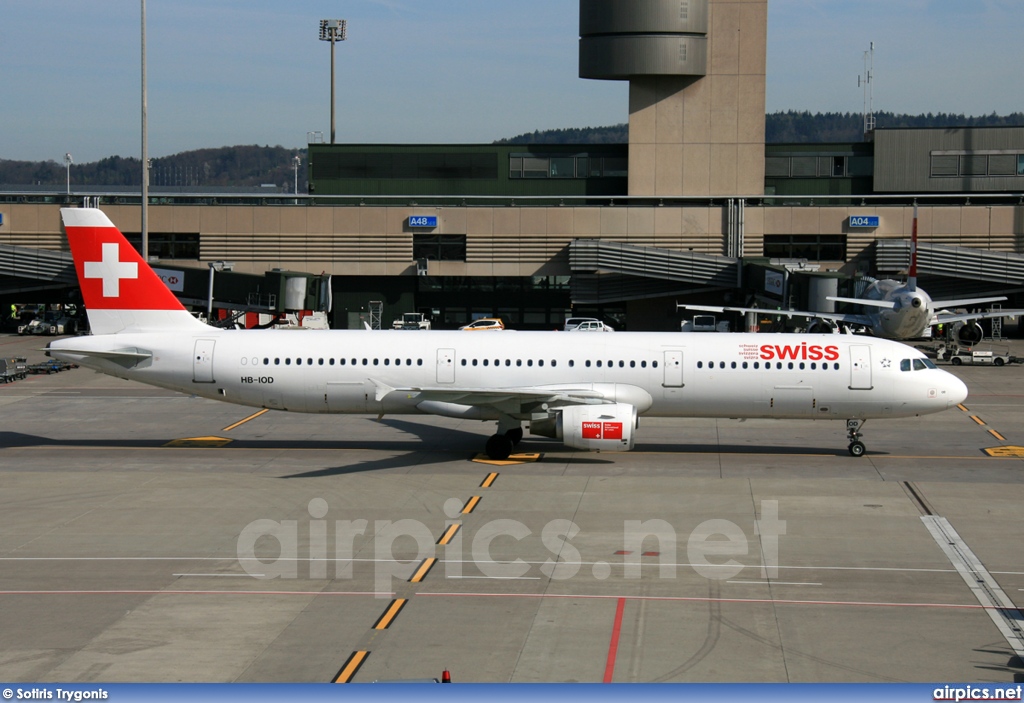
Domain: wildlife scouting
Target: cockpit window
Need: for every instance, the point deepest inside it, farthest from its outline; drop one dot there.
(905, 365)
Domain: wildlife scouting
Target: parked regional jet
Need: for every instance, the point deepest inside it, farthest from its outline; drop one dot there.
(903, 310)
(584, 390)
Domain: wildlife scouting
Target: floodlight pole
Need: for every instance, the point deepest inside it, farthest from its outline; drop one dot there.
(145, 147)
(333, 31)
(67, 164)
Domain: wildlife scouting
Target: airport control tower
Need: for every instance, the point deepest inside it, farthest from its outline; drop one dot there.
(696, 72)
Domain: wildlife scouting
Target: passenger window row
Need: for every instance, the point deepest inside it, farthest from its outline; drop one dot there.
(599, 363)
(309, 361)
(277, 361)
(812, 365)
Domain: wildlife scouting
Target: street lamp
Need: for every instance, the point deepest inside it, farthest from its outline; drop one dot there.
(67, 164)
(215, 266)
(332, 31)
(296, 162)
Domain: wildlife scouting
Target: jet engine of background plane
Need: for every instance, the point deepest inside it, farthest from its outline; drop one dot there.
(968, 333)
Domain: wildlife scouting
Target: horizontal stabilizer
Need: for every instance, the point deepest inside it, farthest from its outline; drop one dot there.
(116, 355)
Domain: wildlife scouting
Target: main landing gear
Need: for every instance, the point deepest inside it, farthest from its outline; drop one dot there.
(856, 447)
(499, 446)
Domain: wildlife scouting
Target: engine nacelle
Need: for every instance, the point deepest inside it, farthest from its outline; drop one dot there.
(968, 333)
(597, 427)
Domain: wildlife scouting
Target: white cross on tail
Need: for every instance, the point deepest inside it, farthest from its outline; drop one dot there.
(111, 269)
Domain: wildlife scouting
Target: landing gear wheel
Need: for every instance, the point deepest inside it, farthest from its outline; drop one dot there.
(516, 435)
(853, 432)
(498, 447)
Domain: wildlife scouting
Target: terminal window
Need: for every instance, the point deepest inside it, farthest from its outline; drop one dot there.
(960, 164)
(813, 247)
(439, 247)
(565, 166)
(169, 245)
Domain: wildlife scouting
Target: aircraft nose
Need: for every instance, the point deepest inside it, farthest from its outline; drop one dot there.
(956, 391)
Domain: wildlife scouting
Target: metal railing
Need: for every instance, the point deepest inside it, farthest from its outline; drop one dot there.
(182, 197)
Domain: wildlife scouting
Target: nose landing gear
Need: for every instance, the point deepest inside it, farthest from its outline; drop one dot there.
(856, 447)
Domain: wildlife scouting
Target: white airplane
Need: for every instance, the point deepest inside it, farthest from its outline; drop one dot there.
(585, 390)
(904, 311)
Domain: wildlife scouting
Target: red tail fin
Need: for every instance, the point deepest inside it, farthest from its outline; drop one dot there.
(119, 289)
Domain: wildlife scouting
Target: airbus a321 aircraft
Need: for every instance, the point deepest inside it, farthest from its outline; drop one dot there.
(586, 390)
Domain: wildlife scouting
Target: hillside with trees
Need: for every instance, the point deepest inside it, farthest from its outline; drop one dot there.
(240, 166)
(228, 166)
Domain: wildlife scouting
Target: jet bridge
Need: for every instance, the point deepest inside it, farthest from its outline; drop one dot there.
(990, 269)
(28, 270)
(605, 271)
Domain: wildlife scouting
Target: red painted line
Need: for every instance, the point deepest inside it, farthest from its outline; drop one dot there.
(613, 646)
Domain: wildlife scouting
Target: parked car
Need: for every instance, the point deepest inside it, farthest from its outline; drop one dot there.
(572, 323)
(484, 323)
(592, 326)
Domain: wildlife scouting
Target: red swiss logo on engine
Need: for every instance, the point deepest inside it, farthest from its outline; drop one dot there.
(602, 430)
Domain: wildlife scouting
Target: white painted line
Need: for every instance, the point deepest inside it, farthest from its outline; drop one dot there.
(778, 583)
(1004, 614)
(218, 575)
(498, 578)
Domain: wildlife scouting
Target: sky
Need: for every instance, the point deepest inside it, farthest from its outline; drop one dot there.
(228, 72)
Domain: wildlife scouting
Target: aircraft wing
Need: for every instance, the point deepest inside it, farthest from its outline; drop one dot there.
(850, 319)
(493, 397)
(943, 317)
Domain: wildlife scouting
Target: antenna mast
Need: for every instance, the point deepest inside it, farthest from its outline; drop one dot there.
(865, 81)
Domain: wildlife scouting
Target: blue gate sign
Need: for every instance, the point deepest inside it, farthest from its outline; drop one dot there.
(864, 220)
(424, 220)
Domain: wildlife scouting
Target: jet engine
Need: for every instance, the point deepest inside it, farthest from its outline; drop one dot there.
(592, 427)
(968, 333)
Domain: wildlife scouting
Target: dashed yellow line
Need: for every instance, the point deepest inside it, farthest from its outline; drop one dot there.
(351, 666)
(470, 505)
(242, 422)
(489, 481)
(449, 534)
(425, 567)
(997, 435)
(963, 408)
(390, 613)
(977, 419)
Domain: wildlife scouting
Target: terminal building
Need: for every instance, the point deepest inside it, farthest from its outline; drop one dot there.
(694, 208)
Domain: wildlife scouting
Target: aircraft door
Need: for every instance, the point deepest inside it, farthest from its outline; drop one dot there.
(202, 361)
(673, 369)
(860, 367)
(446, 366)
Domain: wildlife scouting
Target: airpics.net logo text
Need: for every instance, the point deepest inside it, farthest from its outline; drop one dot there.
(320, 548)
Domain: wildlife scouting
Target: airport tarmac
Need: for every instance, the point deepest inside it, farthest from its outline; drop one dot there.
(151, 536)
